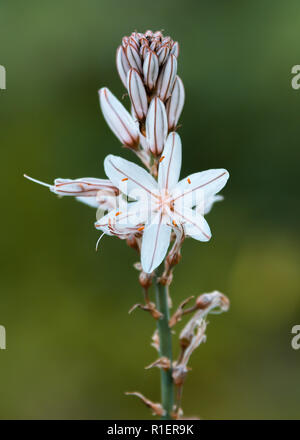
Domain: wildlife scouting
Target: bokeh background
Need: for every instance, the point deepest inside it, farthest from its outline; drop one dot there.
(72, 349)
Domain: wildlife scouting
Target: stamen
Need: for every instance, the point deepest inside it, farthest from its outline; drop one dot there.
(38, 181)
(98, 241)
(125, 178)
(118, 213)
(161, 159)
(189, 180)
(174, 223)
(141, 228)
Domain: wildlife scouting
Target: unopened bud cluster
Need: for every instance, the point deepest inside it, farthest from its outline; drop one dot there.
(147, 65)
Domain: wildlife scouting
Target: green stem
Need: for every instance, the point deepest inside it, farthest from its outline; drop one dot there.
(165, 341)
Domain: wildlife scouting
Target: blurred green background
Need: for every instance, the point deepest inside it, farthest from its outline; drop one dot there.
(72, 349)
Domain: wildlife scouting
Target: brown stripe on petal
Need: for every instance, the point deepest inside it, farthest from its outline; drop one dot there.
(134, 142)
(200, 186)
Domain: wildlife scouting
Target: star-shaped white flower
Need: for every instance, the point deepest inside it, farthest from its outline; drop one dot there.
(163, 205)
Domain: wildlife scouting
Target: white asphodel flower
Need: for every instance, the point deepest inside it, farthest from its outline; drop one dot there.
(163, 205)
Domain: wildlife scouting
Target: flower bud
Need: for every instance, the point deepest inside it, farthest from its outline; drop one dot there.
(162, 54)
(175, 49)
(133, 57)
(122, 64)
(156, 126)
(125, 41)
(167, 78)
(150, 69)
(133, 40)
(118, 119)
(149, 33)
(144, 50)
(137, 93)
(175, 104)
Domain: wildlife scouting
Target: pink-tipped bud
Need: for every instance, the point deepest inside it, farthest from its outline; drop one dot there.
(166, 40)
(167, 78)
(158, 35)
(118, 119)
(156, 126)
(175, 104)
(162, 54)
(134, 58)
(137, 93)
(175, 49)
(125, 41)
(149, 33)
(122, 64)
(150, 69)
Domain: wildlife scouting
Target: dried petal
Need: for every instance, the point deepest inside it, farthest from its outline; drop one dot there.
(150, 69)
(155, 341)
(162, 362)
(118, 119)
(167, 78)
(156, 126)
(150, 307)
(156, 407)
(137, 94)
(175, 104)
(122, 64)
(179, 312)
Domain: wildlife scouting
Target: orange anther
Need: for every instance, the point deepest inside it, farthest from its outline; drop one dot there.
(118, 213)
(162, 158)
(189, 180)
(141, 228)
(174, 223)
(125, 178)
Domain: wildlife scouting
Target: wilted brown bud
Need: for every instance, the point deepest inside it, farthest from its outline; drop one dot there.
(132, 242)
(162, 362)
(145, 279)
(173, 258)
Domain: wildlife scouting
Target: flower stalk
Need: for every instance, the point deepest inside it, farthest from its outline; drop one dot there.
(165, 348)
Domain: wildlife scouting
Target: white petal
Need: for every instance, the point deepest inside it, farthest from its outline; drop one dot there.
(155, 243)
(175, 104)
(194, 224)
(170, 162)
(118, 118)
(90, 201)
(156, 126)
(132, 215)
(199, 187)
(130, 178)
